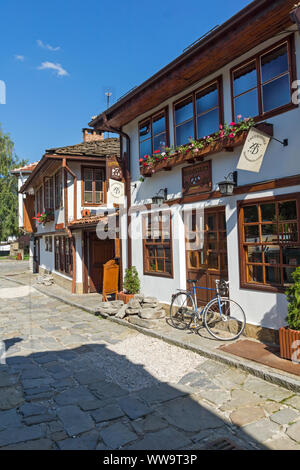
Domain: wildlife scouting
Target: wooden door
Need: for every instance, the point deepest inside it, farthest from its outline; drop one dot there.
(100, 251)
(209, 263)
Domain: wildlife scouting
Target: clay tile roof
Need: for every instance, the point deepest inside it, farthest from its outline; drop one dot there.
(110, 146)
(27, 168)
(92, 220)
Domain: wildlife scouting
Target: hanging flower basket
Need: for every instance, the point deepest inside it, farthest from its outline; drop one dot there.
(44, 217)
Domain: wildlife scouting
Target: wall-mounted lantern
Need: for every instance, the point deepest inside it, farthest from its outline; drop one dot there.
(227, 186)
(159, 200)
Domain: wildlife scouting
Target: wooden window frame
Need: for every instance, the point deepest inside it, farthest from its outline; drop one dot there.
(219, 81)
(147, 272)
(63, 258)
(164, 111)
(58, 189)
(244, 283)
(46, 244)
(290, 41)
(50, 244)
(104, 186)
(39, 200)
(49, 179)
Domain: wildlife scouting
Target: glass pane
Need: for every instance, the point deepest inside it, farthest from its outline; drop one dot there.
(208, 123)
(287, 275)
(88, 186)
(254, 254)
(246, 105)
(212, 246)
(160, 252)
(184, 111)
(183, 132)
(168, 253)
(251, 234)
(88, 174)
(269, 233)
(151, 252)
(88, 196)
(159, 125)
(145, 131)
(255, 273)
(98, 185)
(99, 175)
(152, 264)
(250, 214)
(159, 142)
(245, 78)
(168, 267)
(288, 232)
(268, 212)
(212, 260)
(207, 99)
(160, 265)
(273, 275)
(211, 236)
(193, 259)
(287, 210)
(275, 63)
(145, 148)
(223, 261)
(98, 197)
(291, 256)
(276, 93)
(211, 222)
(272, 254)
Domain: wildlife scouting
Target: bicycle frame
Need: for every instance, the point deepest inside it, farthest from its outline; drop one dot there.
(194, 294)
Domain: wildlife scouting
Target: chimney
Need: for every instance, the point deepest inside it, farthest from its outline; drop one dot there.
(91, 135)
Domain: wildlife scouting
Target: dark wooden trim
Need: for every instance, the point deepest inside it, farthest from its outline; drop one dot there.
(242, 244)
(150, 273)
(290, 41)
(192, 94)
(85, 262)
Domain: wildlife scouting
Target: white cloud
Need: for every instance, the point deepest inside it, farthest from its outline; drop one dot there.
(21, 58)
(47, 46)
(58, 69)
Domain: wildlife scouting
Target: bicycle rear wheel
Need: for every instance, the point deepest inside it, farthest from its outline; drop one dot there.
(181, 310)
(226, 323)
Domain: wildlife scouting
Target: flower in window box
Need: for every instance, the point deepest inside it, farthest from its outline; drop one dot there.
(156, 151)
(232, 135)
(141, 160)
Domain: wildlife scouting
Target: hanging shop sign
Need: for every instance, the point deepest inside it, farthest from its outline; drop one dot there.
(114, 171)
(116, 191)
(254, 151)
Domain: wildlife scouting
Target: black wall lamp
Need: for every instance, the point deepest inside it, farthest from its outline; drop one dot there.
(227, 186)
(157, 199)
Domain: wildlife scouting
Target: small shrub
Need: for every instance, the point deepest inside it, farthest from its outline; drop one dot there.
(293, 298)
(131, 281)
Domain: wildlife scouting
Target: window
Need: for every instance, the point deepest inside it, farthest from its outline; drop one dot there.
(157, 244)
(50, 244)
(263, 84)
(48, 193)
(58, 189)
(270, 243)
(200, 114)
(46, 244)
(63, 255)
(154, 133)
(39, 200)
(93, 186)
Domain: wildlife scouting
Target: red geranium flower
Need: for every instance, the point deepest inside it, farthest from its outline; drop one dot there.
(232, 123)
(156, 151)
(141, 160)
(231, 135)
(144, 164)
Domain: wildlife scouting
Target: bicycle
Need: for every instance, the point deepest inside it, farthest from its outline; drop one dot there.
(223, 318)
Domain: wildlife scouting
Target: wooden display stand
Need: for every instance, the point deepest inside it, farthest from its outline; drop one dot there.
(110, 279)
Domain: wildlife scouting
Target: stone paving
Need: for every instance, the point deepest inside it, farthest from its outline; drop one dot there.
(74, 381)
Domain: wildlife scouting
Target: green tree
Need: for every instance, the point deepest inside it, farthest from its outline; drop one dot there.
(131, 281)
(8, 187)
(293, 298)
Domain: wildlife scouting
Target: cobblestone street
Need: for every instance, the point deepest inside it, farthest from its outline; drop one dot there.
(74, 381)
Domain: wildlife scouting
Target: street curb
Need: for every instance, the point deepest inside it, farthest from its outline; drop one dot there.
(260, 371)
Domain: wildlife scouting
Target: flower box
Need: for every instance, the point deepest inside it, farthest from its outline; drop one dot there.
(124, 297)
(289, 349)
(225, 144)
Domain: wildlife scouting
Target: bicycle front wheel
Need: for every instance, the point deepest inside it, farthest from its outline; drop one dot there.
(182, 310)
(224, 319)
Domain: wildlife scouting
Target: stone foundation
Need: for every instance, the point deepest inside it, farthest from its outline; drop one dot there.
(59, 280)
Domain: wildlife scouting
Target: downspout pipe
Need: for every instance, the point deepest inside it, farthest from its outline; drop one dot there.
(108, 128)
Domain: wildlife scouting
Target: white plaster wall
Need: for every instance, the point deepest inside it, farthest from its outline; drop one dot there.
(262, 308)
(46, 257)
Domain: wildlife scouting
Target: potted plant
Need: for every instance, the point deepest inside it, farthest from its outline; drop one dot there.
(44, 217)
(131, 285)
(289, 337)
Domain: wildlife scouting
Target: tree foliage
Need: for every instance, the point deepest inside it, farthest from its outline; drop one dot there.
(293, 298)
(8, 188)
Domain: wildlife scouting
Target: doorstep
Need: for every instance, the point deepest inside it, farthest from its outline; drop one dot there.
(232, 353)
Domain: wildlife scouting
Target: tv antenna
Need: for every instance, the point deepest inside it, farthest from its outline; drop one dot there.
(108, 95)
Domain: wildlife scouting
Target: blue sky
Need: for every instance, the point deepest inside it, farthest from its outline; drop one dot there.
(59, 57)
